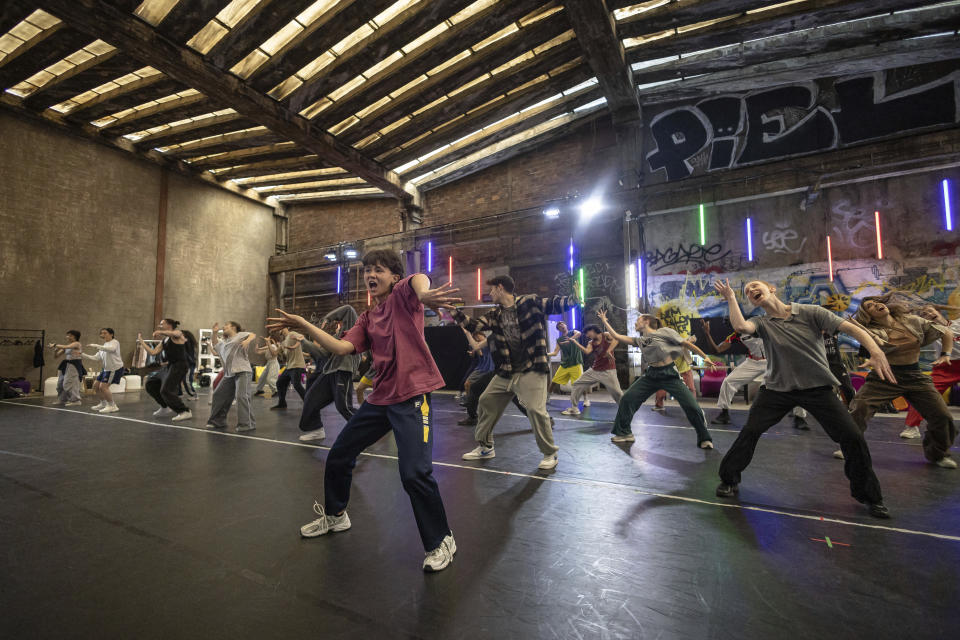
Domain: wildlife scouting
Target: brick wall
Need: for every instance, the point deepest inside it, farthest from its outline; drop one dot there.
(326, 223)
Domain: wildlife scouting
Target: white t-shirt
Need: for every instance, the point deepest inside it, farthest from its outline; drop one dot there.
(233, 355)
(109, 353)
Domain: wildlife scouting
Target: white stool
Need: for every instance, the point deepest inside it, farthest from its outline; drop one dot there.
(133, 383)
(119, 388)
(50, 387)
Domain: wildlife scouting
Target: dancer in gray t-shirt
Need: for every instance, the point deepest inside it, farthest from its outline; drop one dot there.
(798, 375)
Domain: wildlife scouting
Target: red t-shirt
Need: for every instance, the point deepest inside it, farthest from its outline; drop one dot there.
(393, 333)
(603, 360)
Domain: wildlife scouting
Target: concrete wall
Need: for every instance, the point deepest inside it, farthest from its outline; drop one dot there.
(78, 247)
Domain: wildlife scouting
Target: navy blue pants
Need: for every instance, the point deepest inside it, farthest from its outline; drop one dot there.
(329, 387)
(412, 424)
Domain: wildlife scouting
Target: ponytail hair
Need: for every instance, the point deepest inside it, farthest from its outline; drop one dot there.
(173, 323)
(110, 331)
(74, 333)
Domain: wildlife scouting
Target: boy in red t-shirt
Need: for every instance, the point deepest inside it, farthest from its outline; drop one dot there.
(406, 374)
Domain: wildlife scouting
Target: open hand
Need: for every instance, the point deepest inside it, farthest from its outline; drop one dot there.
(216, 327)
(724, 289)
(602, 314)
(441, 298)
(941, 361)
(286, 321)
(881, 367)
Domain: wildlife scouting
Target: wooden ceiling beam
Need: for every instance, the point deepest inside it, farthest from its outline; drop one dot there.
(226, 144)
(108, 68)
(679, 14)
(193, 130)
(253, 155)
(349, 16)
(345, 68)
(265, 19)
(319, 185)
(449, 80)
(792, 17)
(263, 181)
(51, 49)
(447, 130)
(445, 50)
(188, 17)
(863, 59)
(96, 17)
(597, 36)
(244, 169)
(126, 97)
(163, 113)
(12, 14)
(12, 105)
(828, 39)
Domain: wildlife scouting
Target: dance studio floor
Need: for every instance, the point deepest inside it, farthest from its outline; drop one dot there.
(128, 526)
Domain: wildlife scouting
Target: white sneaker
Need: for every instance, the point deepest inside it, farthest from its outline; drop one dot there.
(571, 411)
(75, 403)
(706, 444)
(658, 409)
(110, 409)
(439, 558)
(911, 433)
(186, 415)
(586, 403)
(316, 434)
(98, 406)
(548, 462)
(480, 453)
(626, 438)
(163, 412)
(324, 523)
(838, 454)
(946, 463)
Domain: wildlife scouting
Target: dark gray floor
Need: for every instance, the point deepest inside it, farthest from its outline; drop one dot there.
(114, 527)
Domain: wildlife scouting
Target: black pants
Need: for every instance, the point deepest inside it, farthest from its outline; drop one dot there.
(164, 385)
(411, 422)
(187, 383)
(283, 381)
(477, 389)
(769, 408)
(329, 387)
(846, 387)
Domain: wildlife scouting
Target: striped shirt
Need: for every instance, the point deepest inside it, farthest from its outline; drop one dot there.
(531, 314)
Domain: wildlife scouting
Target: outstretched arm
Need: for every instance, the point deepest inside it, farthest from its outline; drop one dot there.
(946, 347)
(878, 360)
(286, 320)
(440, 298)
(616, 336)
(740, 324)
(151, 350)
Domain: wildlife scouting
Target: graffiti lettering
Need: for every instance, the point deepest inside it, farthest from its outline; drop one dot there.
(771, 124)
(783, 240)
(693, 254)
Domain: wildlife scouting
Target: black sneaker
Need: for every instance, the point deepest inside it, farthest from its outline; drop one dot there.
(877, 510)
(800, 423)
(727, 490)
(278, 406)
(721, 418)
(467, 422)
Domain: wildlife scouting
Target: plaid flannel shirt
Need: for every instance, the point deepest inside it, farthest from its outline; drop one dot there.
(532, 312)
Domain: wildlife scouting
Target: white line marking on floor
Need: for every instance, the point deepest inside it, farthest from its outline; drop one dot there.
(23, 455)
(568, 481)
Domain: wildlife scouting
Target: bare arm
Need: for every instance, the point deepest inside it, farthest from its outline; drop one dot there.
(617, 338)
(740, 324)
(440, 298)
(324, 339)
(250, 338)
(877, 358)
(215, 334)
(718, 348)
(151, 350)
(946, 347)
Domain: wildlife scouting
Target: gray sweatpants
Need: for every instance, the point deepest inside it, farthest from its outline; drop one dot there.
(237, 385)
(269, 376)
(68, 385)
(531, 390)
(591, 377)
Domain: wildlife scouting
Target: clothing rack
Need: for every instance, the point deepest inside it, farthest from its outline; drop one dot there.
(9, 338)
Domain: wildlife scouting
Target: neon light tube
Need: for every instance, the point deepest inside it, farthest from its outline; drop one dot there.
(571, 255)
(338, 278)
(429, 257)
(573, 318)
(876, 219)
(830, 258)
(703, 234)
(639, 277)
(948, 214)
(749, 240)
(582, 290)
(479, 294)
(451, 269)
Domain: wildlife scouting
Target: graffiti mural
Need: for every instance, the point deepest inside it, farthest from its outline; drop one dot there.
(771, 124)
(783, 239)
(693, 258)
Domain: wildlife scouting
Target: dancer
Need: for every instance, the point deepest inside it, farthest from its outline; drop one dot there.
(517, 327)
(268, 378)
(479, 350)
(797, 374)
(839, 370)
(752, 369)
(111, 370)
(901, 335)
(186, 385)
(71, 371)
(163, 387)
(660, 348)
(571, 358)
(392, 329)
(294, 368)
(237, 374)
(334, 382)
(602, 371)
(944, 375)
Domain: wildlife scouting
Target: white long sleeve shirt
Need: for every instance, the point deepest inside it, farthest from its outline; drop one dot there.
(109, 355)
